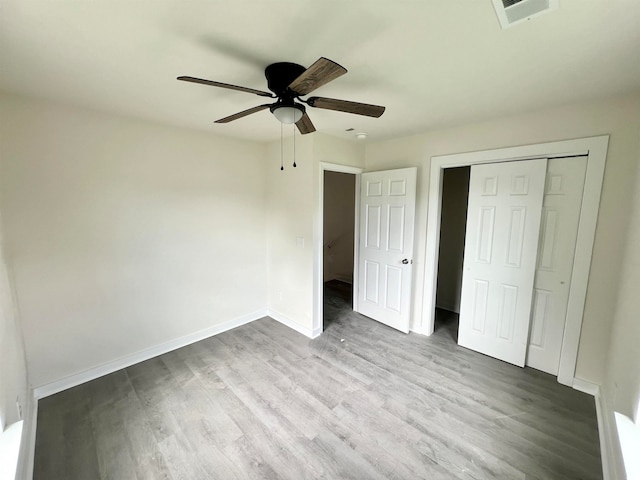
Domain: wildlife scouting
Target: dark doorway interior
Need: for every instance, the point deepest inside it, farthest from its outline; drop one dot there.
(455, 195)
(338, 237)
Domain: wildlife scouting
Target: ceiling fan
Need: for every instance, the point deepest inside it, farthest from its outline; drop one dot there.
(289, 82)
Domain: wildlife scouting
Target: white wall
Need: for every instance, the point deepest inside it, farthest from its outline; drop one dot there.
(13, 371)
(619, 117)
(621, 388)
(294, 212)
(290, 230)
(622, 385)
(123, 234)
(335, 150)
(338, 232)
(455, 194)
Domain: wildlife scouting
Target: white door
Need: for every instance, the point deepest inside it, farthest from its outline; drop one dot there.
(558, 234)
(385, 253)
(501, 243)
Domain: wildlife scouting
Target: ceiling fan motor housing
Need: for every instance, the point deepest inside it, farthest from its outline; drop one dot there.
(280, 75)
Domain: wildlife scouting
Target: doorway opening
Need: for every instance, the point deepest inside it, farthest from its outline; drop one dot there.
(383, 233)
(338, 232)
(455, 195)
(352, 173)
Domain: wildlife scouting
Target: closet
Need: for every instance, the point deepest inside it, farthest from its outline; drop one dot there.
(522, 226)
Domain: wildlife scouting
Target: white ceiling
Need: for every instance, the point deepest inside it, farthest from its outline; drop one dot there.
(432, 63)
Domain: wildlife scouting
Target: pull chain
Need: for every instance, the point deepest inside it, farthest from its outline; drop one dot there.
(281, 152)
(294, 145)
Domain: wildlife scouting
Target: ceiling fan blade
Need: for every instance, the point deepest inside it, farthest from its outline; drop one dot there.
(321, 72)
(244, 113)
(225, 85)
(304, 125)
(346, 106)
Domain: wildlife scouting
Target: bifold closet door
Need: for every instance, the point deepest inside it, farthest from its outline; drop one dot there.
(501, 244)
(556, 251)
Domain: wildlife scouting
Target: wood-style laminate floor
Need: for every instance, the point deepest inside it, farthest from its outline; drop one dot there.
(362, 401)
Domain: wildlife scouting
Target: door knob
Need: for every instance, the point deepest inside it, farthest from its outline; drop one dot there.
(405, 261)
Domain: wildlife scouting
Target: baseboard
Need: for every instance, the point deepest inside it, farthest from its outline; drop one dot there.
(448, 308)
(338, 278)
(328, 278)
(344, 279)
(307, 332)
(123, 362)
(612, 465)
(607, 430)
(585, 386)
(28, 443)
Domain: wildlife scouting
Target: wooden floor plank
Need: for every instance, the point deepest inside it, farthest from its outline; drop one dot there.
(360, 401)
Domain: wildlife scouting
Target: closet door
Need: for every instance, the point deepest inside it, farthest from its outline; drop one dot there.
(501, 244)
(558, 234)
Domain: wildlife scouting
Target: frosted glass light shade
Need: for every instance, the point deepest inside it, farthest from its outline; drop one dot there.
(288, 114)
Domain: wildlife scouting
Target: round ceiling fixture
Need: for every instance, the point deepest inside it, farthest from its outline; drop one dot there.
(288, 114)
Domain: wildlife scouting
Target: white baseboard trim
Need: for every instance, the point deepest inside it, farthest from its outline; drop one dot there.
(28, 443)
(585, 386)
(307, 332)
(73, 380)
(610, 452)
(607, 430)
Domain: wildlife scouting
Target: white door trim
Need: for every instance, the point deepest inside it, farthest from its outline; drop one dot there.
(596, 150)
(318, 232)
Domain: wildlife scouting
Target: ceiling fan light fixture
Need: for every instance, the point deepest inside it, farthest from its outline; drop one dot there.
(288, 82)
(288, 114)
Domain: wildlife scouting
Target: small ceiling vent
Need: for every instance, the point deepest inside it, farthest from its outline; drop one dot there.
(512, 12)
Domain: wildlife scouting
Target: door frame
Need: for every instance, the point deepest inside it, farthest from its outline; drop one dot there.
(318, 242)
(595, 149)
